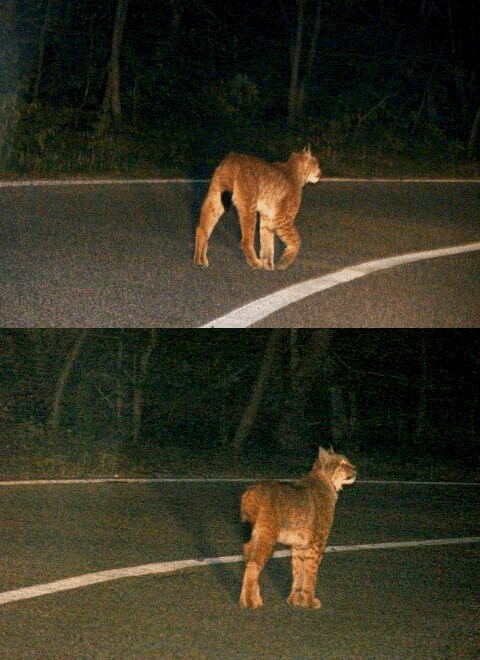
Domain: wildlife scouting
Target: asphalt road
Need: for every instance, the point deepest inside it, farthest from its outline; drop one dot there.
(119, 255)
(419, 602)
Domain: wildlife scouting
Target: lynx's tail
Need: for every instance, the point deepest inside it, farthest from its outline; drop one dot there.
(249, 505)
(254, 499)
(212, 208)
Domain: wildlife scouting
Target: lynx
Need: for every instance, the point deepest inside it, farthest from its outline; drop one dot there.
(273, 190)
(299, 515)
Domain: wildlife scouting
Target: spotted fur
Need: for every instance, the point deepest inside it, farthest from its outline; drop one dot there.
(299, 515)
(273, 190)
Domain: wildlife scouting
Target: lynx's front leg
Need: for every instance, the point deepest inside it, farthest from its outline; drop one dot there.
(247, 214)
(305, 562)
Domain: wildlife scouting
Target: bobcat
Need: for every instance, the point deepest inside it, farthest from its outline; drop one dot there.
(300, 515)
(272, 190)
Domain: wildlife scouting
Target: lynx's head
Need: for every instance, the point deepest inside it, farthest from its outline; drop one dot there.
(311, 168)
(336, 467)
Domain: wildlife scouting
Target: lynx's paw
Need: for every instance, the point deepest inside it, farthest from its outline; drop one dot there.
(283, 264)
(251, 601)
(267, 264)
(302, 599)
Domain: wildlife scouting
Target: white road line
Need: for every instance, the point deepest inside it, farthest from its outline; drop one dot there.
(39, 183)
(378, 179)
(209, 480)
(247, 315)
(105, 181)
(173, 566)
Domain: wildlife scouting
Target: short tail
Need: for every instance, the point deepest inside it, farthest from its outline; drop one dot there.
(212, 208)
(247, 507)
(253, 500)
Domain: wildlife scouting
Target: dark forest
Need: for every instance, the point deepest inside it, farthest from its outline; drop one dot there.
(79, 402)
(142, 86)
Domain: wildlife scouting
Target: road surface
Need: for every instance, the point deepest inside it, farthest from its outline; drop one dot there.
(400, 602)
(120, 254)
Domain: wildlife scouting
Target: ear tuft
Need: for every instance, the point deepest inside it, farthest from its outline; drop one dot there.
(322, 453)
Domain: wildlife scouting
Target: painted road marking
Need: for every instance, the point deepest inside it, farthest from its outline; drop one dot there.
(209, 480)
(200, 480)
(92, 182)
(247, 315)
(109, 182)
(173, 566)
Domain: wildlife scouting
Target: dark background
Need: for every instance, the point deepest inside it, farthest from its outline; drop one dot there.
(374, 85)
(76, 402)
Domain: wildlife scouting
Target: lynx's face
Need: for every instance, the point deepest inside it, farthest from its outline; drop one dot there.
(313, 170)
(337, 467)
(344, 474)
(311, 167)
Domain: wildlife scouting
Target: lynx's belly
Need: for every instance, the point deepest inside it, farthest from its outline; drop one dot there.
(266, 207)
(298, 537)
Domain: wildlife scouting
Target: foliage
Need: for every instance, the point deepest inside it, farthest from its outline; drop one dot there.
(394, 87)
(346, 387)
(8, 120)
(52, 142)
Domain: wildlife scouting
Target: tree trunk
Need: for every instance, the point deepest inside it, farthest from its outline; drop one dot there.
(120, 384)
(9, 78)
(472, 140)
(251, 410)
(299, 84)
(54, 420)
(294, 91)
(177, 9)
(111, 99)
(421, 421)
(292, 415)
(344, 414)
(291, 428)
(89, 67)
(303, 91)
(140, 384)
(41, 50)
(9, 50)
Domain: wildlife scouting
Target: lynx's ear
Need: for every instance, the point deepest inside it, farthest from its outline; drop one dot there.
(307, 149)
(322, 454)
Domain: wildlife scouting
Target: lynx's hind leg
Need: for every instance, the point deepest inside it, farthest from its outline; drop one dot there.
(267, 242)
(212, 209)
(256, 552)
(290, 236)
(305, 562)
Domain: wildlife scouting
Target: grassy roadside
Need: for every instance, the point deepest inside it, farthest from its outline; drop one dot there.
(175, 462)
(338, 165)
(47, 145)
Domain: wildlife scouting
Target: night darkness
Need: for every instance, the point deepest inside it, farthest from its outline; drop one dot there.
(141, 85)
(156, 401)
